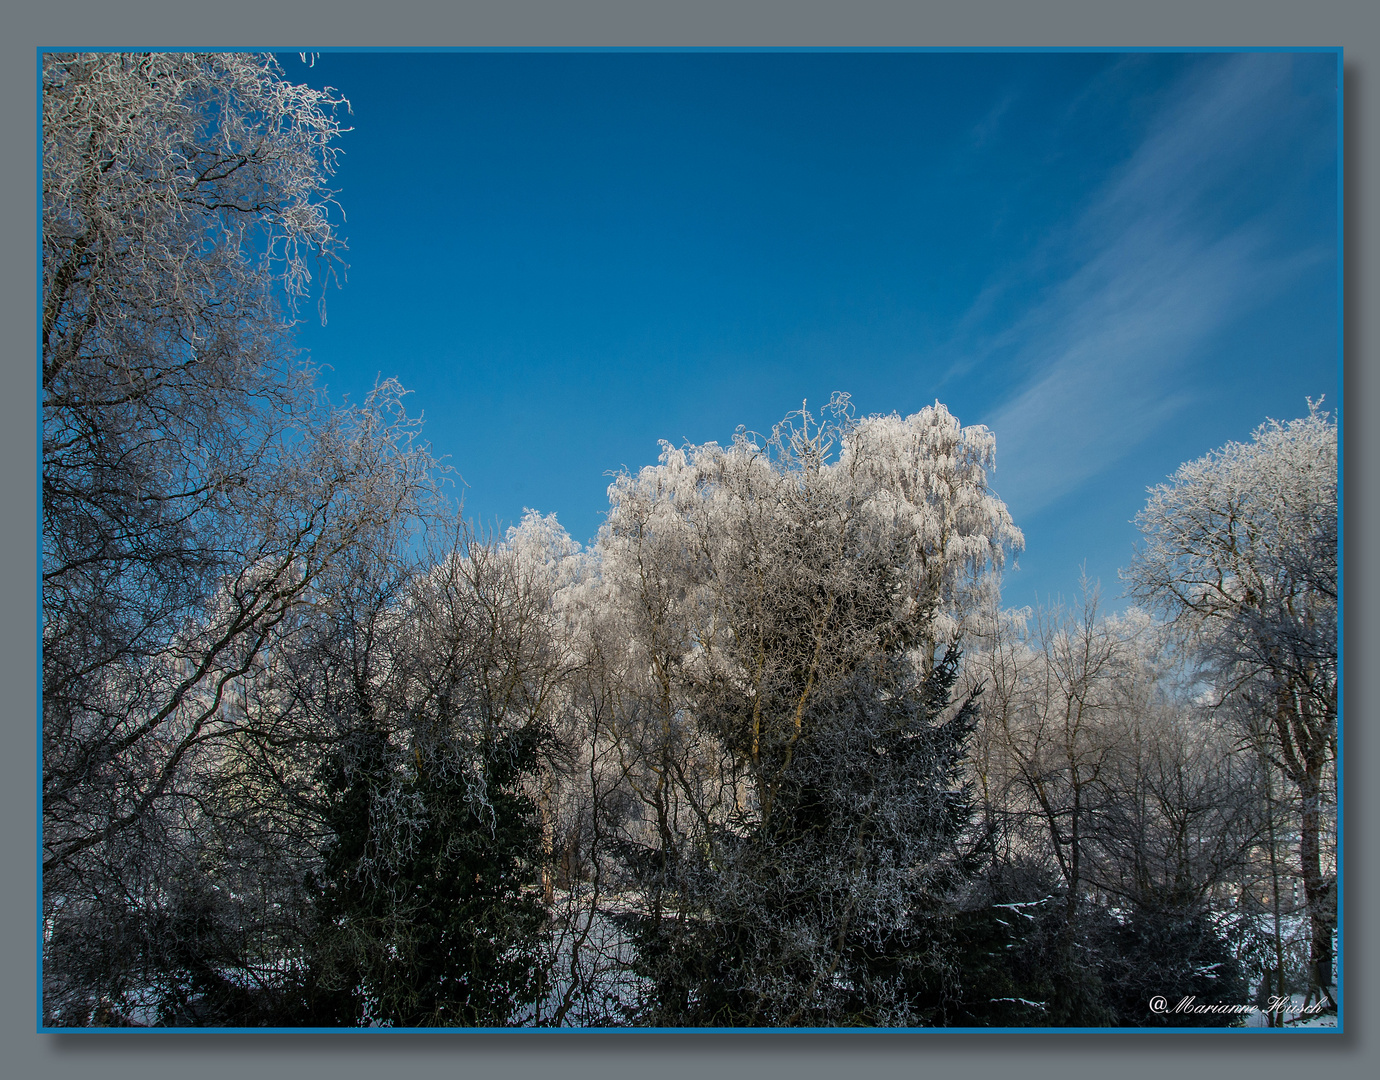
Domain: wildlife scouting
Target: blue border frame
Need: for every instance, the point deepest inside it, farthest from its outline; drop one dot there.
(1340, 951)
(38, 544)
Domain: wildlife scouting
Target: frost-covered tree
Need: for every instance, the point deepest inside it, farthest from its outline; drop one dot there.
(758, 575)
(1060, 688)
(427, 911)
(924, 481)
(1240, 552)
(1123, 816)
(197, 493)
(184, 199)
(779, 618)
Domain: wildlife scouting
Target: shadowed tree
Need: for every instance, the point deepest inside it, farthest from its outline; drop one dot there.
(196, 492)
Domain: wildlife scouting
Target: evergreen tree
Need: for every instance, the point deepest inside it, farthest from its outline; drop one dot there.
(1174, 951)
(428, 909)
(836, 909)
(442, 930)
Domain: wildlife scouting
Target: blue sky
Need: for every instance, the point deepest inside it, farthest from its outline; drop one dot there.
(1115, 261)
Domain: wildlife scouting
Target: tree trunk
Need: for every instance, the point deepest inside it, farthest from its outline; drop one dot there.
(1319, 890)
(1275, 1019)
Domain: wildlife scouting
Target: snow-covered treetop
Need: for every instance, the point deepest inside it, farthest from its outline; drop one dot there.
(1248, 526)
(912, 490)
(925, 477)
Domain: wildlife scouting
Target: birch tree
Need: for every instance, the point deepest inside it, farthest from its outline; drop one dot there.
(1240, 553)
(197, 491)
(791, 606)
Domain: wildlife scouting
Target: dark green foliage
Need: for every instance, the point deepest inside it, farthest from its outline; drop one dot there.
(1177, 953)
(1003, 950)
(832, 911)
(1020, 961)
(203, 938)
(440, 930)
(1025, 964)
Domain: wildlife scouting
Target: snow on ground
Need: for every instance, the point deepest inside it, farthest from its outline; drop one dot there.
(1294, 1015)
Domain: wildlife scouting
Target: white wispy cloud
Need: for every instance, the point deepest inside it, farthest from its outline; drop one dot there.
(1155, 268)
